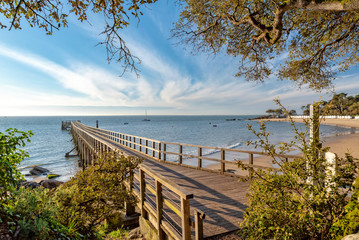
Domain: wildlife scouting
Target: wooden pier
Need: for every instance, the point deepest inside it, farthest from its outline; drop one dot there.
(181, 200)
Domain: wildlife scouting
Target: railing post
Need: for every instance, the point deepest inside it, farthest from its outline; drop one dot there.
(130, 209)
(251, 158)
(251, 163)
(198, 223)
(223, 166)
(134, 143)
(142, 192)
(140, 145)
(186, 228)
(159, 151)
(164, 151)
(180, 149)
(159, 203)
(153, 148)
(126, 140)
(130, 142)
(199, 157)
(146, 150)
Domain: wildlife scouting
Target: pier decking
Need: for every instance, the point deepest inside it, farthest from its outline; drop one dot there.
(221, 198)
(171, 193)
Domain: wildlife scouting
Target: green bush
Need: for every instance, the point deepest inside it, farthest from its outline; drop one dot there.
(349, 222)
(97, 194)
(295, 201)
(11, 156)
(34, 213)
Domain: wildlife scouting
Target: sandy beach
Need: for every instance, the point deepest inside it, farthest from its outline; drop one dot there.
(341, 144)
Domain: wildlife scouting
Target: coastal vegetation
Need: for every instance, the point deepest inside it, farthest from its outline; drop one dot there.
(303, 199)
(11, 155)
(340, 104)
(89, 206)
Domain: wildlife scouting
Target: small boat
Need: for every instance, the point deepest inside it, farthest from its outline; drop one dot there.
(146, 119)
(125, 123)
(230, 119)
(214, 125)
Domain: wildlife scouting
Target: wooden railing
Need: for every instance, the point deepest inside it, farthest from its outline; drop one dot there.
(165, 204)
(185, 154)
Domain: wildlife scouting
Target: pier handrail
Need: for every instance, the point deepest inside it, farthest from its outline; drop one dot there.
(157, 150)
(166, 202)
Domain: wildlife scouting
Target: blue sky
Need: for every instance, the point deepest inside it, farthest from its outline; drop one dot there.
(67, 74)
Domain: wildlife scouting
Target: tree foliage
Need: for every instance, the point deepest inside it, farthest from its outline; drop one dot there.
(54, 14)
(301, 199)
(11, 155)
(320, 36)
(340, 104)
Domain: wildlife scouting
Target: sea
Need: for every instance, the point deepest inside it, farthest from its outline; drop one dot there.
(49, 144)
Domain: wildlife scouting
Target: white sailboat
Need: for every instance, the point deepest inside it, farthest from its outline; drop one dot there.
(146, 119)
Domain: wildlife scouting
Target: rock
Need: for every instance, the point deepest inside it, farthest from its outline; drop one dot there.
(351, 237)
(38, 170)
(50, 183)
(30, 184)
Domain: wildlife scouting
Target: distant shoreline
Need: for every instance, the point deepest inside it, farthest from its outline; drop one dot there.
(352, 123)
(338, 144)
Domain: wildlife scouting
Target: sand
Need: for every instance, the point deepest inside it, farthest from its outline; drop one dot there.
(341, 144)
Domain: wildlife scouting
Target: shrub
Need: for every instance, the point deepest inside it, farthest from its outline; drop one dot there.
(349, 222)
(97, 194)
(34, 212)
(10, 156)
(295, 201)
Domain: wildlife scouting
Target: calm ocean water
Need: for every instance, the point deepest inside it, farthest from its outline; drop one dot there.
(49, 143)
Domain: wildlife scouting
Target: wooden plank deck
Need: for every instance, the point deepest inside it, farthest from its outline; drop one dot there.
(221, 198)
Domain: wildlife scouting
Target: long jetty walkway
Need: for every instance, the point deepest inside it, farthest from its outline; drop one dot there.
(181, 199)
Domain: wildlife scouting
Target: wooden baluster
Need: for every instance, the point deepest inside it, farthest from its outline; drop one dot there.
(198, 221)
(134, 143)
(146, 150)
(130, 209)
(199, 157)
(153, 148)
(164, 151)
(140, 145)
(159, 203)
(142, 192)
(250, 163)
(223, 166)
(180, 149)
(126, 140)
(186, 228)
(159, 151)
(130, 142)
